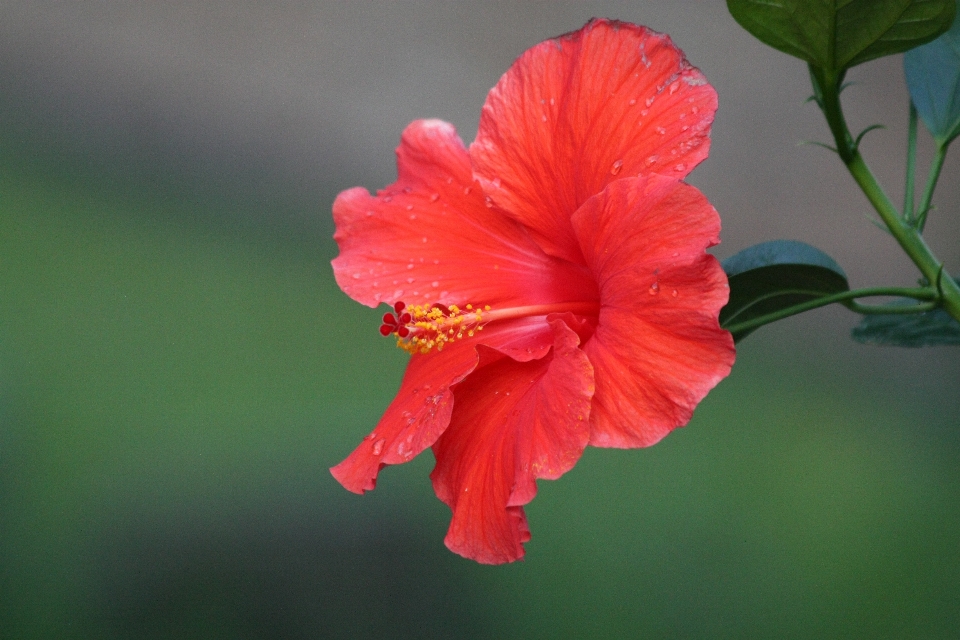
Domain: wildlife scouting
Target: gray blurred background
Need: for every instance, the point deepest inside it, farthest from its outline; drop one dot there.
(178, 369)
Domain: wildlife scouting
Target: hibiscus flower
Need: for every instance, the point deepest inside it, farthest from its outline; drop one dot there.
(551, 282)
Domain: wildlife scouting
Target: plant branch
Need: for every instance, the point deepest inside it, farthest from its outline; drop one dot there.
(935, 167)
(889, 310)
(908, 237)
(928, 294)
(908, 201)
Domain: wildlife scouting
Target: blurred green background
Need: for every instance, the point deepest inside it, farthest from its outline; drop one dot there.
(178, 369)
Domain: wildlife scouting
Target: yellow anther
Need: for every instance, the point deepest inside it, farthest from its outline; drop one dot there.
(434, 326)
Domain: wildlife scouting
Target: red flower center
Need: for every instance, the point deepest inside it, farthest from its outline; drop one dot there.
(421, 328)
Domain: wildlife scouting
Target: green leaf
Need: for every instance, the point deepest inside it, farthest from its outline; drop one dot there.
(933, 78)
(774, 276)
(835, 34)
(926, 329)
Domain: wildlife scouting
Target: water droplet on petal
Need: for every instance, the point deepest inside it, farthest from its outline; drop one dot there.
(496, 183)
(655, 288)
(408, 189)
(676, 253)
(543, 117)
(488, 201)
(409, 207)
(410, 266)
(552, 101)
(680, 167)
(674, 87)
(694, 109)
(434, 284)
(356, 276)
(409, 280)
(644, 112)
(674, 293)
(615, 168)
(632, 101)
(424, 239)
(466, 191)
(369, 214)
(651, 159)
(650, 100)
(378, 446)
(661, 130)
(434, 197)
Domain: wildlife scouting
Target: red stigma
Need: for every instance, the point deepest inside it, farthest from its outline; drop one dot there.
(396, 323)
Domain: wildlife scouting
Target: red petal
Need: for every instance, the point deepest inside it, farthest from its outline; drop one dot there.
(421, 410)
(658, 348)
(572, 114)
(430, 236)
(513, 423)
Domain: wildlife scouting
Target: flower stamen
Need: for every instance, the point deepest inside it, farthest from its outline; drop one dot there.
(421, 328)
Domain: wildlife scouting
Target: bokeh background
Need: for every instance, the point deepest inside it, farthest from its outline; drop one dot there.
(178, 369)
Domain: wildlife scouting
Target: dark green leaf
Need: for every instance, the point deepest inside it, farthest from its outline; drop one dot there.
(927, 329)
(773, 276)
(933, 78)
(836, 35)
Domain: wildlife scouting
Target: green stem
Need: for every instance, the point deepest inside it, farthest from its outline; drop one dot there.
(889, 310)
(911, 164)
(826, 88)
(928, 293)
(935, 168)
(907, 236)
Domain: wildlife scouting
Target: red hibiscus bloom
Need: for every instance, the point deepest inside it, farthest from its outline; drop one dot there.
(551, 281)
